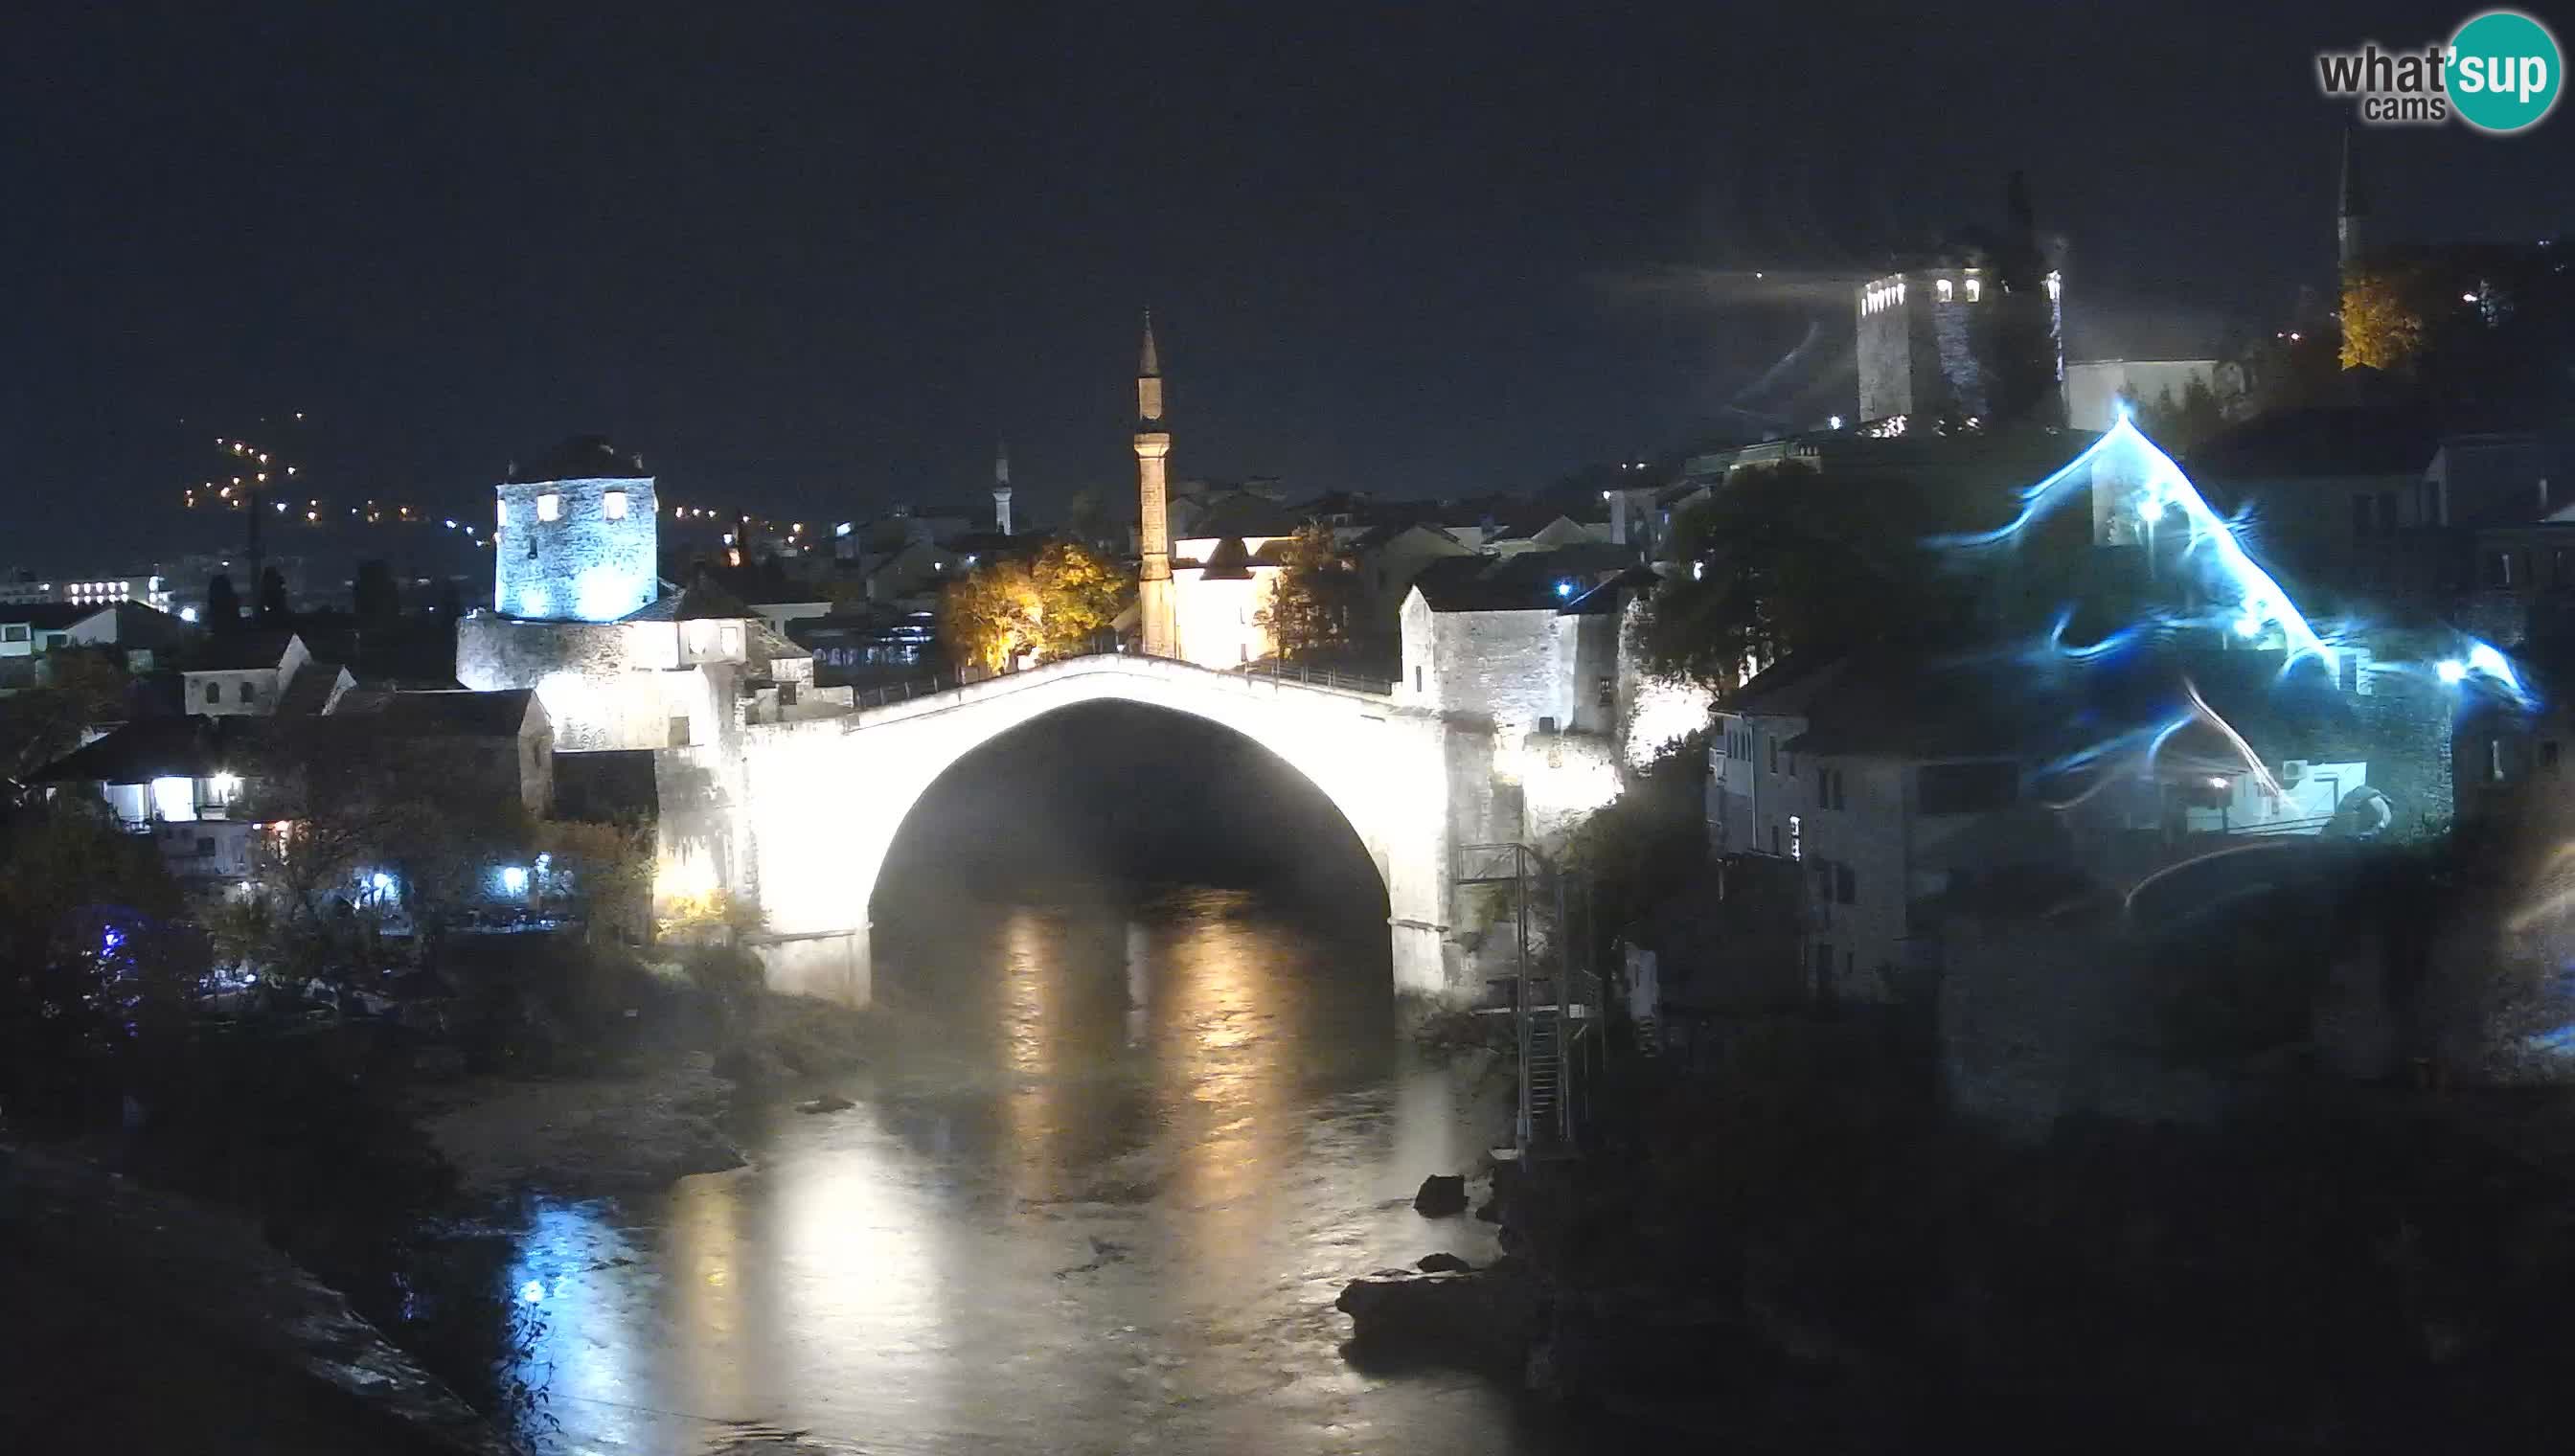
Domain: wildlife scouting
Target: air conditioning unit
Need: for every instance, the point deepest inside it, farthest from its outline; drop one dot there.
(2291, 770)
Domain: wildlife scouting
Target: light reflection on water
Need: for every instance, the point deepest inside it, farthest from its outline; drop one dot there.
(1101, 1200)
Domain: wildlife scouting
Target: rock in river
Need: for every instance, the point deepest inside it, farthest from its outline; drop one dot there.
(1481, 1320)
(1442, 1263)
(827, 1102)
(1443, 1195)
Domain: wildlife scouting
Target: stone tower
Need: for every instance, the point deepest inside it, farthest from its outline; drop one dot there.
(2351, 213)
(577, 536)
(1154, 601)
(1002, 489)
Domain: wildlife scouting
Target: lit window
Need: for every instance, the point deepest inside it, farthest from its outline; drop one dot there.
(613, 505)
(550, 507)
(2055, 286)
(1796, 837)
(1975, 289)
(1944, 290)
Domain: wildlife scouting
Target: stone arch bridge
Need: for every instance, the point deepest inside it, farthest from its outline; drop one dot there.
(799, 815)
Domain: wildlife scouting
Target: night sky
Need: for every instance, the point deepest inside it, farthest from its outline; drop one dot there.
(814, 258)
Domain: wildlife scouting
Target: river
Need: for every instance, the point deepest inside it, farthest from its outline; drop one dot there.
(1102, 1199)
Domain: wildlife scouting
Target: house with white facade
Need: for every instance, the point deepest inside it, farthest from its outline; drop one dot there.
(1895, 784)
(243, 673)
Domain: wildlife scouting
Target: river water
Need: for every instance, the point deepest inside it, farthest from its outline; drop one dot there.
(1101, 1200)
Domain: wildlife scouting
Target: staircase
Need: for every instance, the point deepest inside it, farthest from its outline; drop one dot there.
(1552, 1003)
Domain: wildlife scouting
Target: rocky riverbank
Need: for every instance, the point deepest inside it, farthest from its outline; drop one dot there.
(583, 1137)
(141, 1321)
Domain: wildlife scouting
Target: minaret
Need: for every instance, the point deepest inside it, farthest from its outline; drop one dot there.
(1153, 542)
(2352, 213)
(1002, 489)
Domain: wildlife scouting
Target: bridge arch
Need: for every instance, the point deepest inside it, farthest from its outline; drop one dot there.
(818, 803)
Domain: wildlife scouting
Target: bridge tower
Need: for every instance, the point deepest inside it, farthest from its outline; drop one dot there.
(1153, 601)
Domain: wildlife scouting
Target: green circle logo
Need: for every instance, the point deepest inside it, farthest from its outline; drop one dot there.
(2502, 73)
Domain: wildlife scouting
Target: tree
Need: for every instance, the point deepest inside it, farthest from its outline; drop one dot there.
(989, 616)
(605, 872)
(376, 596)
(1055, 607)
(1784, 560)
(223, 605)
(83, 686)
(272, 596)
(1079, 595)
(2382, 317)
(2177, 425)
(344, 807)
(2015, 334)
(1312, 601)
(93, 956)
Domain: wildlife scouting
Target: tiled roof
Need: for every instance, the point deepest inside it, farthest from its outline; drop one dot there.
(458, 713)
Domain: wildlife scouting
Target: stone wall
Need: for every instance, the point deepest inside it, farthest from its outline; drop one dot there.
(582, 564)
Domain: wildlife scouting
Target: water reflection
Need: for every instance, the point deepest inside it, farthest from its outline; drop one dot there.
(1101, 1200)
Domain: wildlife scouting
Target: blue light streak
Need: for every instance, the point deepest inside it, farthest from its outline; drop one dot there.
(2151, 486)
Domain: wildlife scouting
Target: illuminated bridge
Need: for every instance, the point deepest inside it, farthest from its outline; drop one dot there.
(800, 817)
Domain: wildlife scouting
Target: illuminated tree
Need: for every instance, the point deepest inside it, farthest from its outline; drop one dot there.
(989, 616)
(2382, 319)
(1309, 607)
(1079, 595)
(1057, 605)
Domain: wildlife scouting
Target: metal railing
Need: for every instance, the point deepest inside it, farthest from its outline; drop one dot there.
(1279, 672)
(1272, 670)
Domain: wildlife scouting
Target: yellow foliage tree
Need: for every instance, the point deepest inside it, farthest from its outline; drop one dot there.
(2382, 324)
(1057, 605)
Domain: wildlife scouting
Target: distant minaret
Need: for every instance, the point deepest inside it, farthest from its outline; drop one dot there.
(1002, 489)
(2352, 214)
(1153, 447)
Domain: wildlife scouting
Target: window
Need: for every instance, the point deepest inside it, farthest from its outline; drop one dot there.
(1838, 790)
(613, 505)
(1845, 883)
(213, 692)
(1416, 680)
(1944, 290)
(550, 507)
(2387, 513)
(678, 732)
(1775, 839)
(13, 632)
(1797, 837)
(1975, 289)
(2499, 568)
(1952, 789)
(250, 693)
(205, 847)
(1608, 692)
(1774, 755)
(2360, 516)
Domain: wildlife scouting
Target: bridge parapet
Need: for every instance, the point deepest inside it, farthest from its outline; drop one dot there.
(1311, 688)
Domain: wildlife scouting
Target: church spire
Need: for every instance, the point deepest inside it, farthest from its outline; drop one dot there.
(2351, 210)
